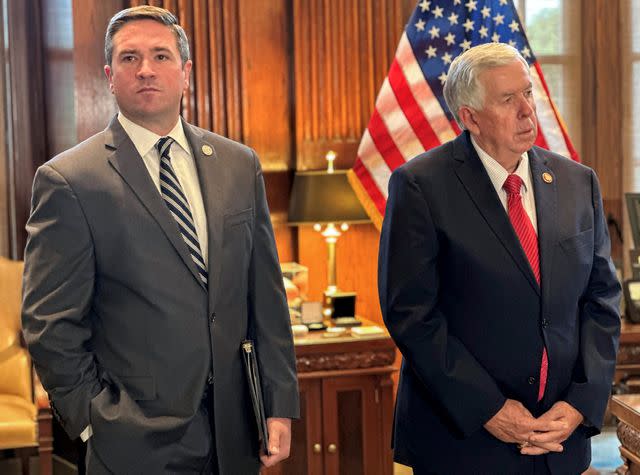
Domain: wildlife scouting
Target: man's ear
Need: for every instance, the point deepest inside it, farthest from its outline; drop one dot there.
(107, 72)
(468, 119)
(186, 69)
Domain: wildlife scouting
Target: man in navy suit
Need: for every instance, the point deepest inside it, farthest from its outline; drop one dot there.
(497, 285)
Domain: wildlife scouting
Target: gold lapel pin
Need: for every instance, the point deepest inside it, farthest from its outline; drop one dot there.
(207, 150)
(547, 177)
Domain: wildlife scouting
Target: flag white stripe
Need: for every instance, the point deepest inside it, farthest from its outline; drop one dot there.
(374, 163)
(547, 121)
(396, 122)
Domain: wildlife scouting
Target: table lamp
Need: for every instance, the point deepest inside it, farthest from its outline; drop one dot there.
(326, 200)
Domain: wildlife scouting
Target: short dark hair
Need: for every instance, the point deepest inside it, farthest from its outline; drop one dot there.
(146, 12)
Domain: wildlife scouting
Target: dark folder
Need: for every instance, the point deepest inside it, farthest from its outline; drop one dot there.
(255, 389)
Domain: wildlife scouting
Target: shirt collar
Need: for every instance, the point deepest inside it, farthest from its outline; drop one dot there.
(144, 140)
(498, 173)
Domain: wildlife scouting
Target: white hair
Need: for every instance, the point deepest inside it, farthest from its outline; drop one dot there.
(462, 87)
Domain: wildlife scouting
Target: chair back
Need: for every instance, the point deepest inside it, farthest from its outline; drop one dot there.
(15, 364)
(10, 302)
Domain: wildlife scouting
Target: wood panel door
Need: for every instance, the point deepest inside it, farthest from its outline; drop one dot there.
(352, 427)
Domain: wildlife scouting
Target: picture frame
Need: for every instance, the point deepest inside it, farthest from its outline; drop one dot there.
(633, 208)
(634, 261)
(631, 290)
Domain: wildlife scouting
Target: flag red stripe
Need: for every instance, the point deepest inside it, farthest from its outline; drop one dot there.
(370, 186)
(540, 140)
(383, 141)
(410, 107)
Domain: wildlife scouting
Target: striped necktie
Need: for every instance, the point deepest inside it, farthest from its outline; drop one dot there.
(178, 205)
(529, 242)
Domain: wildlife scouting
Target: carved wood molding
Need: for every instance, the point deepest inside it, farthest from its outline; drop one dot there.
(629, 437)
(336, 361)
(629, 354)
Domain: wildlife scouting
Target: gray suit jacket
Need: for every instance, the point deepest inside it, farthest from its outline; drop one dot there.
(122, 331)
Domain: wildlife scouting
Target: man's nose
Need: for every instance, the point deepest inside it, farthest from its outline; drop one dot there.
(527, 107)
(145, 70)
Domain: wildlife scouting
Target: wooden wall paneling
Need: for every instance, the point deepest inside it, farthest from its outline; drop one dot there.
(27, 118)
(94, 103)
(170, 5)
(278, 184)
(57, 26)
(266, 82)
(7, 221)
(265, 117)
(602, 137)
(184, 12)
(301, 68)
(217, 68)
(201, 55)
(342, 52)
(231, 47)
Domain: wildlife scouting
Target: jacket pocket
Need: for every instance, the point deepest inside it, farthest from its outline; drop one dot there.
(238, 218)
(576, 244)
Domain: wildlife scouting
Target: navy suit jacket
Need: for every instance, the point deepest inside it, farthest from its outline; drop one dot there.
(460, 299)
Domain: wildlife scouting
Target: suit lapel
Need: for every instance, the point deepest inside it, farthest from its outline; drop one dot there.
(211, 176)
(127, 162)
(478, 185)
(546, 212)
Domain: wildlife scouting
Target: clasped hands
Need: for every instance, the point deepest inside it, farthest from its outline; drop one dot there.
(514, 424)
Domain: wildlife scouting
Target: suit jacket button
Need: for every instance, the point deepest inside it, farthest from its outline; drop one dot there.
(545, 323)
(210, 379)
(212, 317)
(531, 380)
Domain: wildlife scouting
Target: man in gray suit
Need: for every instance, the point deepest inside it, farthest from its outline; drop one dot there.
(150, 258)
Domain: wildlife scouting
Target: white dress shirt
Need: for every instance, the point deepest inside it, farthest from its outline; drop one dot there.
(185, 167)
(498, 175)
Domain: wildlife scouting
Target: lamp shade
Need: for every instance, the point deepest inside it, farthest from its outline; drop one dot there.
(324, 197)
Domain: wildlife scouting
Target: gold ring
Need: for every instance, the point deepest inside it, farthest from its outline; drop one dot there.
(524, 444)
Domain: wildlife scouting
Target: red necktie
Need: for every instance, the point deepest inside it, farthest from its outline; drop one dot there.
(529, 242)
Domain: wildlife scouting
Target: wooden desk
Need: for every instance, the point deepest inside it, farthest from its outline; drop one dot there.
(627, 409)
(346, 398)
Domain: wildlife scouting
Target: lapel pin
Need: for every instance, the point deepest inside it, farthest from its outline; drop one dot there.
(546, 177)
(207, 150)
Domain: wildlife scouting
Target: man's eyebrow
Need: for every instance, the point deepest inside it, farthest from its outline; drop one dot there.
(511, 93)
(156, 49)
(128, 51)
(163, 49)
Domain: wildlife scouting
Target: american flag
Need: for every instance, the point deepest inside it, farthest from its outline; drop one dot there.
(411, 115)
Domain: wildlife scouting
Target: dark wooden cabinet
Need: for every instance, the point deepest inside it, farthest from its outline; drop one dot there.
(346, 398)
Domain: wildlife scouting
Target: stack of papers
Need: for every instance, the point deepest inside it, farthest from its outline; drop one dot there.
(366, 330)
